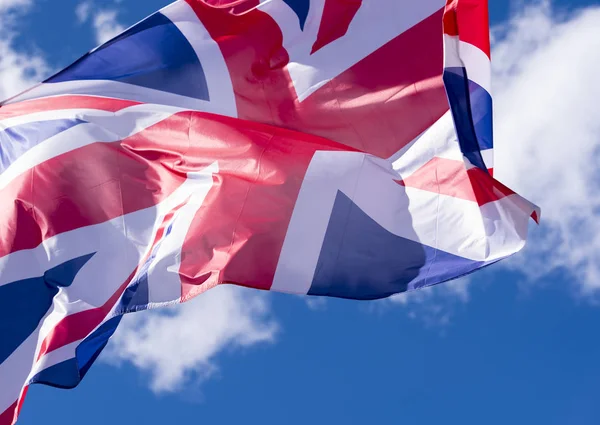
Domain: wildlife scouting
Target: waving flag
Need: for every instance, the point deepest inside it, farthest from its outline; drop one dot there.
(321, 147)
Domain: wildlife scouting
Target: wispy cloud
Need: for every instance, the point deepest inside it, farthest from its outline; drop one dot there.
(12, 5)
(18, 70)
(548, 135)
(434, 306)
(315, 303)
(105, 21)
(83, 10)
(107, 25)
(181, 343)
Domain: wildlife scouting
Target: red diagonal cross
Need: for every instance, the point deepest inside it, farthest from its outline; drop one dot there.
(337, 17)
(378, 105)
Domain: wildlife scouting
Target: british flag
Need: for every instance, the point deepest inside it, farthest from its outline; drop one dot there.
(324, 147)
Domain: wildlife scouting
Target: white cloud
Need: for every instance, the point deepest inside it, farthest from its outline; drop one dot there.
(181, 343)
(548, 135)
(434, 305)
(315, 302)
(18, 70)
(82, 11)
(6, 5)
(107, 25)
(104, 21)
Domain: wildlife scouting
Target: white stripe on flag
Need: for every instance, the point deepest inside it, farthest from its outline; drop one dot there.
(464, 55)
(99, 127)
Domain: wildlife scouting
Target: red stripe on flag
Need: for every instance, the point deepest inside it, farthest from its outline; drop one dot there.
(337, 17)
(8, 416)
(377, 106)
(21, 400)
(450, 21)
(64, 102)
(469, 20)
(79, 325)
(451, 178)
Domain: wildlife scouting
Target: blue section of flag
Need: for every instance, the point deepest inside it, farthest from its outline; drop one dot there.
(360, 259)
(91, 347)
(301, 7)
(61, 375)
(18, 139)
(25, 302)
(481, 109)
(472, 114)
(153, 54)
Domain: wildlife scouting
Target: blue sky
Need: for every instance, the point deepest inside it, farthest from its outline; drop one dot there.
(516, 343)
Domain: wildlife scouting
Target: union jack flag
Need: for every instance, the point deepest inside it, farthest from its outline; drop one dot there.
(324, 147)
